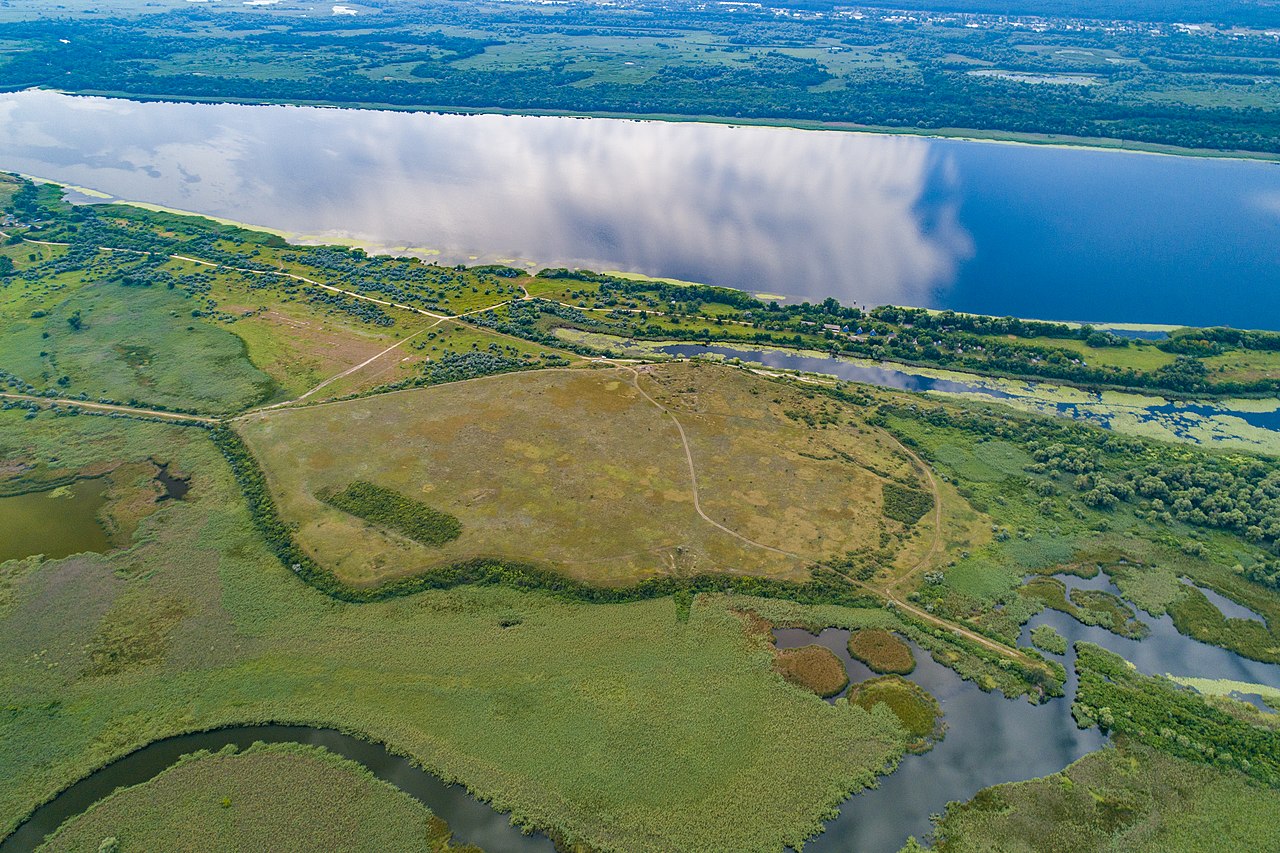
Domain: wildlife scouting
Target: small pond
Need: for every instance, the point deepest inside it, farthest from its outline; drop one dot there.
(56, 522)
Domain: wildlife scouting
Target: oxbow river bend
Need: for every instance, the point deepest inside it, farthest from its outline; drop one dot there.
(988, 740)
(1038, 232)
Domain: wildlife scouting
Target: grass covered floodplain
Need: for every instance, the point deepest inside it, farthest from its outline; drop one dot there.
(585, 470)
(267, 797)
(617, 726)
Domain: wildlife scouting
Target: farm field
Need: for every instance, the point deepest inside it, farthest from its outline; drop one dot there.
(581, 470)
(259, 798)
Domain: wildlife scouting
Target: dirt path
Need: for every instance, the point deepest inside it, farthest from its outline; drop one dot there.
(111, 407)
(345, 373)
(693, 471)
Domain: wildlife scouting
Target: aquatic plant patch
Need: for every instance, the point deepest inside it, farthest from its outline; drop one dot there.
(812, 667)
(882, 651)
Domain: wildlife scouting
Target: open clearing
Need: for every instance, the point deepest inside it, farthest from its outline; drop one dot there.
(580, 470)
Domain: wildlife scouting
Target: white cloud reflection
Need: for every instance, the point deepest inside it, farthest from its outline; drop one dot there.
(872, 218)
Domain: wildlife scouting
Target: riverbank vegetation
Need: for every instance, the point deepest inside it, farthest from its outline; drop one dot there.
(1081, 355)
(352, 306)
(1127, 797)
(812, 667)
(1072, 498)
(919, 713)
(1052, 76)
(255, 799)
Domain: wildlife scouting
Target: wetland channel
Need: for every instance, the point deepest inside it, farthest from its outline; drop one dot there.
(989, 740)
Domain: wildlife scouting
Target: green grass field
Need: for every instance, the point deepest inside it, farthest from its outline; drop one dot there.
(616, 725)
(282, 796)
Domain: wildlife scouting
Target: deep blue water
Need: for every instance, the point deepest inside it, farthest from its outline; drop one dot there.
(1078, 234)
(1050, 233)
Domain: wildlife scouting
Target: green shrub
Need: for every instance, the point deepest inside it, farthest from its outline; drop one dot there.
(390, 509)
(905, 504)
(1047, 639)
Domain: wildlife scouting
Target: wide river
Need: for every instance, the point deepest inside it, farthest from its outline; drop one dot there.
(1053, 233)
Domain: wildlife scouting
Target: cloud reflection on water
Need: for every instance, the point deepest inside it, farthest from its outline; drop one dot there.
(763, 208)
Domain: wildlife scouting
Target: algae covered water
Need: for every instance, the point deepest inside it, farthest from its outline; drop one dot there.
(56, 523)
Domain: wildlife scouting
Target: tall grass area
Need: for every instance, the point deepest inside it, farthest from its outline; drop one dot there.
(616, 726)
(263, 798)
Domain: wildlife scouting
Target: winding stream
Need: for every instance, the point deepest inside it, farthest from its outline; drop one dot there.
(472, 821)
(990, 739)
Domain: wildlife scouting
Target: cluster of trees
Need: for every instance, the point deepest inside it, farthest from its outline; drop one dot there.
(913, 336)
(388, 508)
(1217, 340)
(1265, 573)
(361, 309)
(950, 321)
(403, 280)
(1240, 494)
(1117, 698)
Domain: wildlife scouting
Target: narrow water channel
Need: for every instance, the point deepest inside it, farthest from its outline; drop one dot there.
(472, 821)
(1177, 418)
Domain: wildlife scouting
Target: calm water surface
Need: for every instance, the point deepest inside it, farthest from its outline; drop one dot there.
(56, 523)
(999, 229)
(990, 739)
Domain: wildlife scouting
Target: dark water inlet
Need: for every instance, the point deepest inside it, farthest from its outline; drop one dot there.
(988, 740)
(175, 488)
(991, 740)
(885, 376)
(472, 821)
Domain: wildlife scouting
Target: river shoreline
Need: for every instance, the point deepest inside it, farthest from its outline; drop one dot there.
(961, 134)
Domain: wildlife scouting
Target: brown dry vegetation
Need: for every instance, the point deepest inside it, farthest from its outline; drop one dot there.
(881, 651)
(576, 469)
(812, 667)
